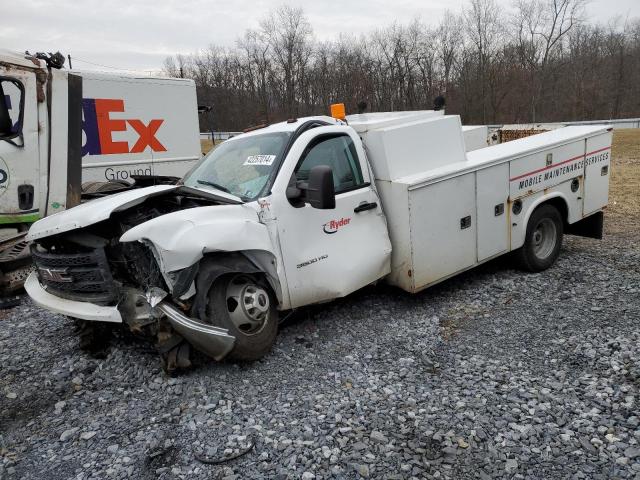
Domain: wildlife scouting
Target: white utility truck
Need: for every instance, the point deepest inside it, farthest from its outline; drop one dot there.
(62, 130)
(309, 210)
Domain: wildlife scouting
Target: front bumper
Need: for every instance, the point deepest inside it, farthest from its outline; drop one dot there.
(213, 341)
(71, 308)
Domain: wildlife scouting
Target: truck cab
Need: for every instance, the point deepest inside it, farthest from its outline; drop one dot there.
(66, 135)
(310, 210)
(19, 132)
(323, 229)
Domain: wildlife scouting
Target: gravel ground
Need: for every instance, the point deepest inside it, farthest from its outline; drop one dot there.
(493, 374)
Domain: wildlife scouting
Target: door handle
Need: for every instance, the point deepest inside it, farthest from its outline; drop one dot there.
(365, 206)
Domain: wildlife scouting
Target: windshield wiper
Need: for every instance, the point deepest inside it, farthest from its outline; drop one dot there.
(214, 185)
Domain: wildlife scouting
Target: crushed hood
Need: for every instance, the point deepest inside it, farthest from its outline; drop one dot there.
(181, 238)
(93, 211)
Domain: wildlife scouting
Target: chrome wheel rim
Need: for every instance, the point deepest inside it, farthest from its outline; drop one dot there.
(248, 304)
(544, 238)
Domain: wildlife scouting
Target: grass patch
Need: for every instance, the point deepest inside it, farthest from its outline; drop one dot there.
(623, 212)
(206, 145)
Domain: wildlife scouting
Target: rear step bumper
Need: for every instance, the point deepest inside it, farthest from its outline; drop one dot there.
(71, 308)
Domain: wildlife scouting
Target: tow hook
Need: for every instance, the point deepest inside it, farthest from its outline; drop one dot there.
(210, 340)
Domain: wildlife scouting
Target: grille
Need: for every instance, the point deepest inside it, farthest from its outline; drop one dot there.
(76, 276)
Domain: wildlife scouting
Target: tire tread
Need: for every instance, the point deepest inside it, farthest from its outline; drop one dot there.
(524, 255)
(246, 348)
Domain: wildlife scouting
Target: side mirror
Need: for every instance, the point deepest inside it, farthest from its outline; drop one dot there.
(320, 190)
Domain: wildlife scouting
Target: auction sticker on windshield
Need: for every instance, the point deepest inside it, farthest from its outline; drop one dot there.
(259, 160)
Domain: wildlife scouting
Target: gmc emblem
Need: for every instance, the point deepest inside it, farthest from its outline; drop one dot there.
(58, 275)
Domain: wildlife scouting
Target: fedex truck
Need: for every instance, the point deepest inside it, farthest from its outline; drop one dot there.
(68, 134)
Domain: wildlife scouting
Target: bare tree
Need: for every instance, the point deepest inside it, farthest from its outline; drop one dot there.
(449, 40)
(541, 26)
(548, 65)
(484, 29)
(258, 67)
(288, 33)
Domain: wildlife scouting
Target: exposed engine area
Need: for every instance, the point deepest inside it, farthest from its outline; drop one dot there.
(90, 264)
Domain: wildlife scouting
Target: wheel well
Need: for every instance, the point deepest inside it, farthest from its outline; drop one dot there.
(560, 204)
(215, 265)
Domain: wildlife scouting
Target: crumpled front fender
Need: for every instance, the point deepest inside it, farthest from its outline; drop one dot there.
(181, 238)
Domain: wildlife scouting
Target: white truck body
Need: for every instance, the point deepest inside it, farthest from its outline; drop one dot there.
(423, 205)
(475, 137)
(71, 128)
(412, 207)
(164, 110)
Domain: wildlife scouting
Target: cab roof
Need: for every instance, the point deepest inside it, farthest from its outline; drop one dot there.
(19, 59)
(360, 122)
(288, 126)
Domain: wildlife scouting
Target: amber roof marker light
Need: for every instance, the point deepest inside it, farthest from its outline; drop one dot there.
(338, 111)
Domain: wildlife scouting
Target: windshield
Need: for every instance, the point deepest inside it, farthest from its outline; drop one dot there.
(241, 166)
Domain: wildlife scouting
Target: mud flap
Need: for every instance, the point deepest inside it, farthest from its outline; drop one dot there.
(590, 227)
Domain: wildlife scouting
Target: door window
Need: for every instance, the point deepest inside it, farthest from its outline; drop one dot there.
(11, 107)
(339, 153)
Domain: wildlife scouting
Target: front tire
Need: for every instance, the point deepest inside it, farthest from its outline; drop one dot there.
(245, 306)
(543, 239)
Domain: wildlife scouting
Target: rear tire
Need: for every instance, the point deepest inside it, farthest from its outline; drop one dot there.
(543, 239)
(245, 306)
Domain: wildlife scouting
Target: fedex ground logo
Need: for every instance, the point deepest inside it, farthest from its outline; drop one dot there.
(99, 128)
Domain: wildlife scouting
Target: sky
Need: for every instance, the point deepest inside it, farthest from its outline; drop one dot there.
(137, 35)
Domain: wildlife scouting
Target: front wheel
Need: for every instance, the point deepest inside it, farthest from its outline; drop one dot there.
(543, 239)
(245, 306)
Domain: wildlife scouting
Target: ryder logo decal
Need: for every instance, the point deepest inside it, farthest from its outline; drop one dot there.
(334, 225)
(98, 127)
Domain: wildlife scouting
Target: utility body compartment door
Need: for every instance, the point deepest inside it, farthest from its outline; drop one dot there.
(492, 193)
(596, 173)
(546, 168)
(443, 229)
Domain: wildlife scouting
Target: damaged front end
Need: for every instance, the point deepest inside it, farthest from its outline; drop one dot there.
(88, 274)
(214, 341)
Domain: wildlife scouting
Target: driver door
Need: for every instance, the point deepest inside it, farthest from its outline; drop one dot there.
(330, 253)
(19, 148)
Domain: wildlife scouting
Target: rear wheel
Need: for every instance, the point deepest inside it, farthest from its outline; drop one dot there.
(543, 239)
(245, 306)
